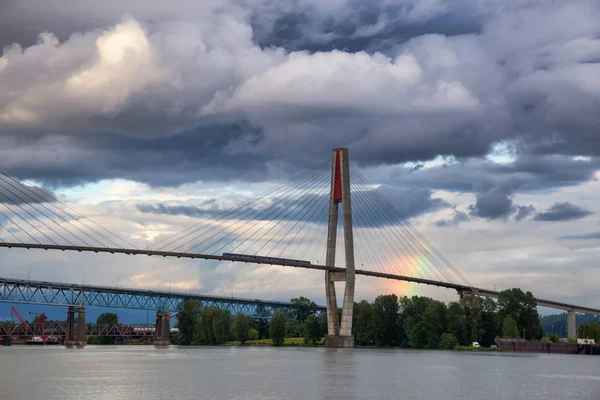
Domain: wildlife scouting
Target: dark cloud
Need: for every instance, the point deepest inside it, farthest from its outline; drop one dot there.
(528, 172)
(189, 211)
(456, 219)
(376, 25)
(492, 204)
(562, 212)
(583, 236)
(524, 212)
(368, 210)
(411, 203)
(452, 79)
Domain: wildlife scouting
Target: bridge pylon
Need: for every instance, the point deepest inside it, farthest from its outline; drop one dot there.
(340, 334)
(162, 332)
(75, 333)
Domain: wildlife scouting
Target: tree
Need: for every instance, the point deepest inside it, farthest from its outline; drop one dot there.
(303, 307)
(448, 341)
(277, 328)
(509, 327)
(212, 326)
(457, 324)
(312, 329)
(523, 309)
(490, 322)
(589, 331)
(188, 312)
(362, 324)
(253, 334)
(107, 318)
(386, 320)
(221, 326)
(433, 327)
(554, 338)
(241, 328)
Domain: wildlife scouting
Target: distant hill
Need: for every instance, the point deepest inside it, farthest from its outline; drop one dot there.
(557, 323)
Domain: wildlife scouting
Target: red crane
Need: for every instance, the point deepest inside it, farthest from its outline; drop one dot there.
(20, 318)
(41, 322)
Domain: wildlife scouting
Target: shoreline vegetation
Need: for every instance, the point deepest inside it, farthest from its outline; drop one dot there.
(388, 322)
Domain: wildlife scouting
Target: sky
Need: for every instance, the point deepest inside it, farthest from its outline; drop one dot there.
(477, 119)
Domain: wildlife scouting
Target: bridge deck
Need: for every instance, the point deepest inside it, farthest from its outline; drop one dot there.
(293, 263)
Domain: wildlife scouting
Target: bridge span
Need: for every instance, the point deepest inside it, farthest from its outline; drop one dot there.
(76, 295)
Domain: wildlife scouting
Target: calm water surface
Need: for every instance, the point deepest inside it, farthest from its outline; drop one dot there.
(131, 372)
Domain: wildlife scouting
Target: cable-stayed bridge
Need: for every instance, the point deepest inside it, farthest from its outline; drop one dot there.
(329, 218)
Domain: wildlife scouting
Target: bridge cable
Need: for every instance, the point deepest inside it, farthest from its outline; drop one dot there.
(428, 249)
(245, 215)
(35, 208)
(53, 199)
(389, 223)
(231, 210)
(3, 180)
(408, 239)
(288, 201)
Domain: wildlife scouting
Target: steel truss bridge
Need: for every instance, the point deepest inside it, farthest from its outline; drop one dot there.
(32, 292)
(64, 294)
(59, 328)
(287, 222)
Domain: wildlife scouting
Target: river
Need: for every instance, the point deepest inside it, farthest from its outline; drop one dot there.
(253, 373)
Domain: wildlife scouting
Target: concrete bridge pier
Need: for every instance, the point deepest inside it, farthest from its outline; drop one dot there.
(162, 332)
(340, 335)
(75, 337)
(571, 324)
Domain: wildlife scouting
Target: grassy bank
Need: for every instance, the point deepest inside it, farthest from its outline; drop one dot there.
(288, 342)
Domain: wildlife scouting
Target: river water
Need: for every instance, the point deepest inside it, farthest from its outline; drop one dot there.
(253, 373)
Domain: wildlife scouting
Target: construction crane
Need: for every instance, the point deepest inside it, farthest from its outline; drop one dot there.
(41, 323)
(20, 318)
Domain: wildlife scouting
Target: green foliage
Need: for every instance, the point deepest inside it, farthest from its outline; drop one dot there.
(101, 340)
(295, 329)
(253, 334)
(509, 327)
(312, 329)
(522, 307)
(545, 339)
(448, 341)
(571, 340)
(386, 320)
(363, 327)
(589, 331)
(241, 328)
(554, 338)
(277, 328)
(107, 318)
(188, 312)
(212, 327)
(303, 307)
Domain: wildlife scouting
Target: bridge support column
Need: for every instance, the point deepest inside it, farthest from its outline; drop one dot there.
(571, 324)
(162, 332)
(75, 336)
(340, 335)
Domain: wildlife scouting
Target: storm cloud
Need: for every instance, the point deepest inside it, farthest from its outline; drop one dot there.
(562, 212)
(469, 116)
(394, 82)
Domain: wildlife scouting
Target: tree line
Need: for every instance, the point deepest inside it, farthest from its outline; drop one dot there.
(415, 322)
(421, 322)
(199, 325)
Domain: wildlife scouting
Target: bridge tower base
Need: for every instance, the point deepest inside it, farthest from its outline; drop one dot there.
(340, 335)
(162, 333)
(75, 337)
(571, 324)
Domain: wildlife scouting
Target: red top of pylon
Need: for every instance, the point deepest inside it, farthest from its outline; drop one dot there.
(337, 182)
